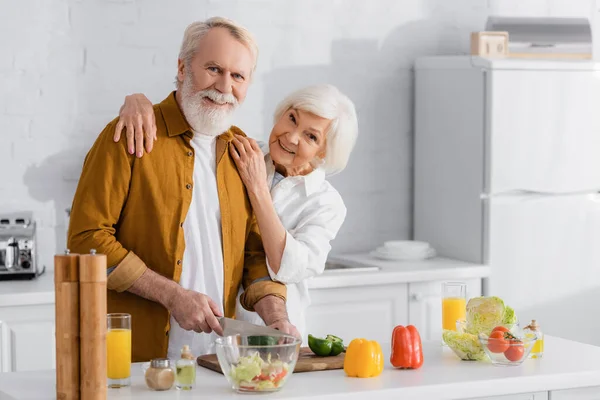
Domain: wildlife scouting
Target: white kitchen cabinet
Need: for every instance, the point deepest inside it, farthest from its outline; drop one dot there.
(425, 306)
(370, 312)
(373, 311)
(27, 338)
(522, 396)
(4, 348)
(589, 393)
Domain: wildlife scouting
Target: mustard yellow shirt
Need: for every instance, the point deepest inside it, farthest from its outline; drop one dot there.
(132, 209)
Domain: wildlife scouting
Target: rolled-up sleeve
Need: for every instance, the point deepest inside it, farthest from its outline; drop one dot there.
(101, 194)
(308, 244)
(256, 280)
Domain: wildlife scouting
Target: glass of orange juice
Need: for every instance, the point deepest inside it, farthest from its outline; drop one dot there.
(118, 350)
(454, 303)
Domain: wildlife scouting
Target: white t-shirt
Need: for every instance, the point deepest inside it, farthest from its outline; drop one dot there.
(312, 212)
(202, 269)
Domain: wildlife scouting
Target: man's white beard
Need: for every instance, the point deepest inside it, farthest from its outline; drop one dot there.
(204, 119)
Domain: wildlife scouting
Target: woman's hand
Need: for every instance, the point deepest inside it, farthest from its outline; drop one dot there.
(137, 115)
(250, 163)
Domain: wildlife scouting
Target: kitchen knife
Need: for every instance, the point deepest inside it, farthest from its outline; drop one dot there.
(234, 327)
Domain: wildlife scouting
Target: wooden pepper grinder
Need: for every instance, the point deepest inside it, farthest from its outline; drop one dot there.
(92, 293)
(66, 295)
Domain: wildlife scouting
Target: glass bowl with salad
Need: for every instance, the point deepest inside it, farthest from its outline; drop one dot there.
(257, 363)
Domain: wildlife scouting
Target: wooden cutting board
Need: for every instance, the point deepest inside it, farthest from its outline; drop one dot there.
(307, 362)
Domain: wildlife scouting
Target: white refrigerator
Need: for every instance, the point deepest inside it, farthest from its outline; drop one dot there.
(507, 173)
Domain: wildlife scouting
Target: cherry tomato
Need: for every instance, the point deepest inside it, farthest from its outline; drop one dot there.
(279, 376)
(497, 343)
(515, 351)
(500, 329)
(261, 377)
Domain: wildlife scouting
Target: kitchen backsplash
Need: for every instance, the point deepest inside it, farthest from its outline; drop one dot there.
(68, 64)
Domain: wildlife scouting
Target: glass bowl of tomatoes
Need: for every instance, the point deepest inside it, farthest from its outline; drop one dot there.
(504, 348)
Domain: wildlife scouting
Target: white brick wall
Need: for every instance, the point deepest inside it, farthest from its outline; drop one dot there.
(65, 66)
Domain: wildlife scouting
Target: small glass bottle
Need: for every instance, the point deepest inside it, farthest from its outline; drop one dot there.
(160, 375)
(538, 347)
(186, 370)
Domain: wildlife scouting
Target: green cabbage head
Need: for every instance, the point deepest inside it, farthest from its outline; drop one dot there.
(509, 316)
(486, 313)
(465, 345)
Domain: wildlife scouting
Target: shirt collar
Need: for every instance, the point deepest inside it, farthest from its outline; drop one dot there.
(312, 182)
(173, 116)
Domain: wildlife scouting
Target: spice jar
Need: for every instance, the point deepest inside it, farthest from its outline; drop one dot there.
(186, 370)
(160, 375)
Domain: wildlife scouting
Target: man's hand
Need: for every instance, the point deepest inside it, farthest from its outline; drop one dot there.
(272, 310)
(285, 326)
(192, 310)
(195, 311)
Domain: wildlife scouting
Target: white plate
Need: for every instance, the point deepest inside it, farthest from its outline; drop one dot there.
(402, 257)
(403, 253)
(406, 245)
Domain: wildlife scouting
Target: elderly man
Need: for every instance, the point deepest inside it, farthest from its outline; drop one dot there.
(177, 226)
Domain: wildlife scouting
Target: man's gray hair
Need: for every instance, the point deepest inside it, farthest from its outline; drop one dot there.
(196, 31)
(326, 101)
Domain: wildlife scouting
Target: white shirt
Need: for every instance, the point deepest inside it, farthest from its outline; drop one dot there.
(202, 269)
(312, 212)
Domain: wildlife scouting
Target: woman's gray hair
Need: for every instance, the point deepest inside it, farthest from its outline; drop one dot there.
(326, 101)
(196, 31)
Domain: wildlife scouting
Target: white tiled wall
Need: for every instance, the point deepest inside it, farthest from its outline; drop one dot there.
(65, 66)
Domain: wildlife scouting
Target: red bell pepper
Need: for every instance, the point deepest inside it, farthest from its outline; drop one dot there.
(407, 351)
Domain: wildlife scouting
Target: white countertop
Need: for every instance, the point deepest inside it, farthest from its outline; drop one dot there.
(41, 290)
(432, 269)
(21, 293)
(566, 365)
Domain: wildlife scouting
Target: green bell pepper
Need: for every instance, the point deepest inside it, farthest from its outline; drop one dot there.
(337, 348)
(262, 340)
(330, 346)
(334, 338)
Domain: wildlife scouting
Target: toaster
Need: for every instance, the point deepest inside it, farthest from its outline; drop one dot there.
(18, 258)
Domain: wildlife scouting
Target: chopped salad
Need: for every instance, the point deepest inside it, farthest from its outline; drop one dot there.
(254, 373)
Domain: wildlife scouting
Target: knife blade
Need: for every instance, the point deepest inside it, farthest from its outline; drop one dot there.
(234, 327)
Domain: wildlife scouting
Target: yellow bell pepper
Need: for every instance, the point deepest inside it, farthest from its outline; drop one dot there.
(364, 359)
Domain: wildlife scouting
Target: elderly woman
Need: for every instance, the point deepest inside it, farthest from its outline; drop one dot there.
(298, 211)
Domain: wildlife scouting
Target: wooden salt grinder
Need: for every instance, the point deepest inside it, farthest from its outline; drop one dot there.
(66, 295)
(92, 292)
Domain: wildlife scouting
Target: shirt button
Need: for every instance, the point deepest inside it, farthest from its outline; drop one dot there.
(178, 262)
(190, 153)
(181, 224)
(188, 186)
